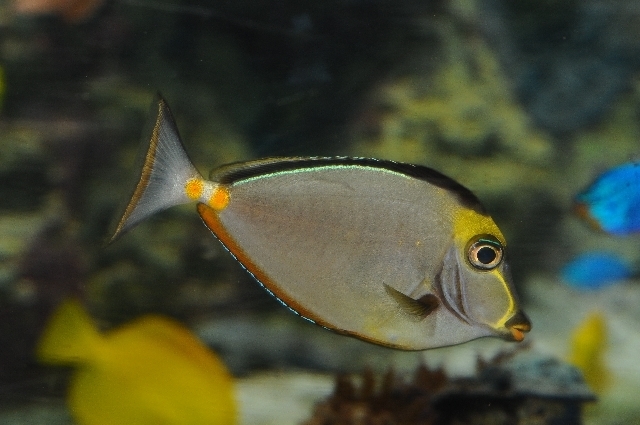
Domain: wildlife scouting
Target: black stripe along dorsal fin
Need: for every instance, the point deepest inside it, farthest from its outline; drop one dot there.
(234, 172)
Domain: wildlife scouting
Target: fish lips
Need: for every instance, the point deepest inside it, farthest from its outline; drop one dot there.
(517, 325)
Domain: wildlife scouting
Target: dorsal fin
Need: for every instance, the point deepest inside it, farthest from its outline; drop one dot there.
(231, 173)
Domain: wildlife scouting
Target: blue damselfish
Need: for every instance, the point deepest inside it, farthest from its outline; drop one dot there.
(612, 202)
(594, 270)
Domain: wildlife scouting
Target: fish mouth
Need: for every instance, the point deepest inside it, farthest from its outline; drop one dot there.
(518, 325)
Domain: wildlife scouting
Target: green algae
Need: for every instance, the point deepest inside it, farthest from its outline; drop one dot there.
(467, 107)
(3, 86)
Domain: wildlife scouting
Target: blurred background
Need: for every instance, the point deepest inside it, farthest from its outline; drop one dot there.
(523, 102)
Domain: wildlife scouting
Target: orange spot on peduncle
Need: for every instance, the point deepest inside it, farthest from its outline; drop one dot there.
(193, 188)
(220, 198)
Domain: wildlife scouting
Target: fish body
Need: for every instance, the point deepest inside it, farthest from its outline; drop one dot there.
(588, 349)
(391, 253)
(612, 202)
(595, 270)
(151, 371)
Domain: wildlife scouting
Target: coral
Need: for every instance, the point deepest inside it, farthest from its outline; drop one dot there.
(387, 402)
(513, 387)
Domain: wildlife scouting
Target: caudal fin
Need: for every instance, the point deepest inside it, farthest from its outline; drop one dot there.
(69, 337)
(164, 176)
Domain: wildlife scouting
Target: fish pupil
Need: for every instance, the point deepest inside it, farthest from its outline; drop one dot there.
(484, 252)
(486, 255)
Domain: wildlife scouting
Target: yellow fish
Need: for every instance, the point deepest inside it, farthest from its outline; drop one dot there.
(151, 371)
(395, 254)
(588, 347)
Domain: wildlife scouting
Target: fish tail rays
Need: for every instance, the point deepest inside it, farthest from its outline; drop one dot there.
(167, 176)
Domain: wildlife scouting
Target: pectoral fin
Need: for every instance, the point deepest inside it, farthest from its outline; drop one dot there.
(419, 308)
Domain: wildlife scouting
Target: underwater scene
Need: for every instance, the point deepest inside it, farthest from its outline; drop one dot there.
(328, 212)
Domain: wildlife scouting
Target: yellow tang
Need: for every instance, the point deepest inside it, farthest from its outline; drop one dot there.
(395, 254)
(148, 372)
(588, 351)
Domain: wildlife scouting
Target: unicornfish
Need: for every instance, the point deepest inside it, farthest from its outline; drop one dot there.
(391, 253)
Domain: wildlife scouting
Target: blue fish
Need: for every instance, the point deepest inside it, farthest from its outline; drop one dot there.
(612, 202)
(595, 270)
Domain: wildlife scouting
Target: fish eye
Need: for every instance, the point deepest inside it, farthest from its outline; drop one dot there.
(484, 252)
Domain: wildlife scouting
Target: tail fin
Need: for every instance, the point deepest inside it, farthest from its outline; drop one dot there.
(69, 337)
(164, 175)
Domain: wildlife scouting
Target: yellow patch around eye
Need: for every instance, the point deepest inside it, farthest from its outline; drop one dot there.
(220, 198)
(193, 188)
(467, 223)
